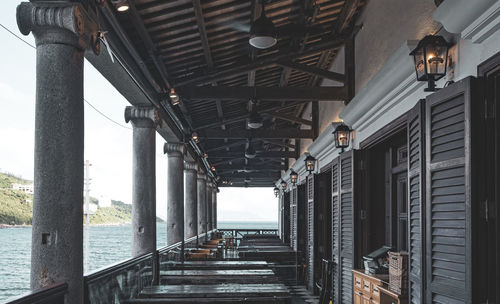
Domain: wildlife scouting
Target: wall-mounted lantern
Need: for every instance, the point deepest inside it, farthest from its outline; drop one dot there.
(342, 136)
(310, 163)
(294, 177)
(212, 168)
(283, 185)
(174, 97)
(195, 137)
(276, 191)
(431, 60)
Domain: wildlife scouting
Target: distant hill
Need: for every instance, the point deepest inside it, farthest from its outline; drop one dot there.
(16, 207)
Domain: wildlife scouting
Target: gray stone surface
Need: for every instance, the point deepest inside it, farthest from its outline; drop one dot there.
(61, 35)
(191, 199)
(175, 195)
(209, 206)
(143, 179)
(202, 205)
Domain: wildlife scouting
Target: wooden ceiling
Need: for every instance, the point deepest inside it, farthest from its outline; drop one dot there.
(200, 48)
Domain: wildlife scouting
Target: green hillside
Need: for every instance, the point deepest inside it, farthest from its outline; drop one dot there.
(16, 206)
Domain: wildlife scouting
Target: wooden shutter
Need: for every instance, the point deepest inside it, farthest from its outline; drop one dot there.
(416, 199)
(293, 206)
(310, 232)
(347, 220)
(286, 217)
(335, 230)
(448, 194)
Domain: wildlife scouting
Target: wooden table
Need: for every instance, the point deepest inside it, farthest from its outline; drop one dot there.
(215, 265)
(218, 293)
(209, 276)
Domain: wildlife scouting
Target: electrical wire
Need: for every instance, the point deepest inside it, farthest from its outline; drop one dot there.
(86, 101)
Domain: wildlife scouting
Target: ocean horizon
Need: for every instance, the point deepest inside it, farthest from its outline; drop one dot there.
(109, 244)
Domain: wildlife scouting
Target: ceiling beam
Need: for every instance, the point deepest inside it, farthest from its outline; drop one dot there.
(279, 143)
(256, 134)
(228, 145)
(344, 19)
(239, 118)
(263, 175)
(267, 154)
(265, 93)
(251, 167)
(313, 70)
(268, 61)
(292, 118)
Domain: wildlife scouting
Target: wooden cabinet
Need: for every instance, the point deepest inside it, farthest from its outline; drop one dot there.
(367, 287)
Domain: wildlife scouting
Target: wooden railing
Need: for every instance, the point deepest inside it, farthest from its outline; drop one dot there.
(53, 294)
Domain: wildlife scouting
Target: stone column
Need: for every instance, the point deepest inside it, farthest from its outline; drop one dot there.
(143, 179)
(62, 31)
(202, 206)
(175, 195)
(209, 206)
(214, 204)
(191, 197)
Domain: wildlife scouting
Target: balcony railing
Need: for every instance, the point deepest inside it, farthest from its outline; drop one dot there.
(53, 294)
(237, 234)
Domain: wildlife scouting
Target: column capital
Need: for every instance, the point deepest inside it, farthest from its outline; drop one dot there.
(191, 166)
(58, 23)
(174, 149)
(201, 175)
(142, 117)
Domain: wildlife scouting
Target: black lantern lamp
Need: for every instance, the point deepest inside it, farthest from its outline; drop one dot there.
(174, 97)
(310, 163)
(431, 60)
(342, 135)
(276, 191)
(263, 33)
(283, 185)
(195, 137)
(294, 177)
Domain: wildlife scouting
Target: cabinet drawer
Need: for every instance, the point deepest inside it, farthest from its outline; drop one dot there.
(367, 286)
(376, 292)
(358, 282)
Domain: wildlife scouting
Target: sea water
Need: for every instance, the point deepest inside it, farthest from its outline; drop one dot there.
(107, 245)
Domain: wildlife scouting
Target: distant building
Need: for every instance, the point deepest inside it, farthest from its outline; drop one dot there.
(24, 188)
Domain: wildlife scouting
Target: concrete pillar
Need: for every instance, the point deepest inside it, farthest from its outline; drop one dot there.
(209, 206)
(62, 32)
(175, 195)
(191, 197)
(143, 179)
(214, 204)
(202, 205)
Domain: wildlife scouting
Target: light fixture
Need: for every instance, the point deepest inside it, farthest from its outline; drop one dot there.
(195, 137)
(250, 151)
(174, 97)
(262, 32)
(342, 136)
(294, 177)
(205, 155)
(212, 168)
(310, 163)
(121, 5)
(231, 183)
(255, 120)
(283, 185)
(276, 191)
(224, 182)
(431, 59)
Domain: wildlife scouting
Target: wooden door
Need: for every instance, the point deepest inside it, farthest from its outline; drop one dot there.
(416, 200)
(451, 197)
(293, 218)
(301, 218)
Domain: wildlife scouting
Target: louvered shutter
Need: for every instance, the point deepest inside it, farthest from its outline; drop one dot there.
(294, 218)
(346, 225)
(335, 230)
(310, 232)
(416, 199)
(448, 194)
(286, 217)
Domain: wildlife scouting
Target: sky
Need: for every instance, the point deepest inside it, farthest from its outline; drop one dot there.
(108, 145)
